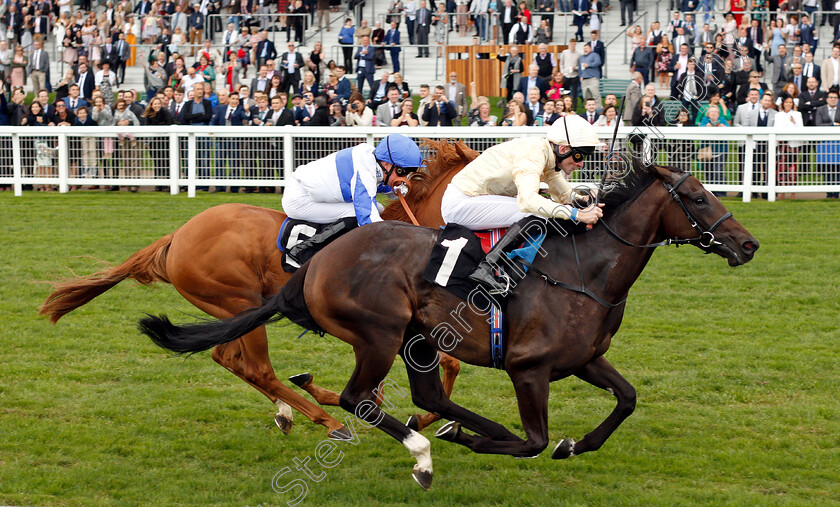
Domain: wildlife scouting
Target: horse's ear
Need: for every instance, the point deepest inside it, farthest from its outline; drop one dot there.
(664, 173)
(466, 153)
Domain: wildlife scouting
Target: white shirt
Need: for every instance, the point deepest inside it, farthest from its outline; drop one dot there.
(339, 178)
(291, 57)
(836, 63)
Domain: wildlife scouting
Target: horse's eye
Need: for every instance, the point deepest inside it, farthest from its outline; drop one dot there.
(700, 199)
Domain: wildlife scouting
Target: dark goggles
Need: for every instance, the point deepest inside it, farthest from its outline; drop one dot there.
(581, 153)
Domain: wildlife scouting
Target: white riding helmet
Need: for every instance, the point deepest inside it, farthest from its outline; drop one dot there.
(574, 131)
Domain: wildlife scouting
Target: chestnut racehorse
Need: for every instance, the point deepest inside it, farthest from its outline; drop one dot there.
(561, 317)
(225, 260)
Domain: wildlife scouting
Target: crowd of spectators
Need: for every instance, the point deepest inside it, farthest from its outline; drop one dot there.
(190, 81)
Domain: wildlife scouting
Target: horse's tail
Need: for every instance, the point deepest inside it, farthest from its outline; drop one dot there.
(146, 266)
(288, 303)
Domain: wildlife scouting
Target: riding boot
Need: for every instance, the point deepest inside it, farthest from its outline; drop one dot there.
(483, 274)
(320, 240)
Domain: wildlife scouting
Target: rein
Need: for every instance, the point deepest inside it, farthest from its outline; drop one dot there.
(403, 182)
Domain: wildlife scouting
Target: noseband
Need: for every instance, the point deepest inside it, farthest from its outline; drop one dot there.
(706, 236)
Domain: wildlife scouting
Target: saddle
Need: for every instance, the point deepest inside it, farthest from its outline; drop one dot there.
(308, 238)
(458, 251)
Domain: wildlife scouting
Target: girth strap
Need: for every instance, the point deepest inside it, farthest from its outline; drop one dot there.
(582, 289)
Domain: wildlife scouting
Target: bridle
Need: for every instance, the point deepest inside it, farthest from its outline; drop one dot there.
(705, 239)
(706, 236)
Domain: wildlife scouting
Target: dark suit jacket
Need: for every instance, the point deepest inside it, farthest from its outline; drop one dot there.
(86, 87)
(201, 118)
(529, 113)
(320, 118)
(239, 116)
(44, 22)
(523, 86)
(821, 116)
(678, 87)
(299, 115)
(284, 65)
(657, 118)
(427, 21)
(598, 47)
(369, 67)
(270, 52)
(17, 19)
(808, 105)
(392, 37)
(286, 118)
(817, 74)
(744, 90)
(448, 112)
(585, 116)
(178, 118)
(143, 7)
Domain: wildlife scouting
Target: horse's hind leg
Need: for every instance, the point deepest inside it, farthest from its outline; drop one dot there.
(451, 368)
(373, 362)
(247, 358)
(323, 396)
(601, 373)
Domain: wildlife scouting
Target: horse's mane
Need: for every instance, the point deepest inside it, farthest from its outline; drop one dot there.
(444, 155)
(619, 189)
(625, 186)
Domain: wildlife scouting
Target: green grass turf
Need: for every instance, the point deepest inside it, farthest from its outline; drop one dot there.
(736, 372)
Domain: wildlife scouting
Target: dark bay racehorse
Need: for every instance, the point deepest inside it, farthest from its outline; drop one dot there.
(225, 260)
(386, 309)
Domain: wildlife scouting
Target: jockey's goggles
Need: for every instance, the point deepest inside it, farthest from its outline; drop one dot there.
(581, 153)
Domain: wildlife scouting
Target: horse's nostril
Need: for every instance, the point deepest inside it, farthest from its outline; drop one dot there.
(749, 246)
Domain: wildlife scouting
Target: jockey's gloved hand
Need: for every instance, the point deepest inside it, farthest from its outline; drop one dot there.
(402, 188)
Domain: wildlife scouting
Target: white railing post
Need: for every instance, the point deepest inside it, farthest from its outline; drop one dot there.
(749, 149)
(191, 164)
(17, 168)
(288, 158)
(771, 167)
(174, 162)
(63, 164)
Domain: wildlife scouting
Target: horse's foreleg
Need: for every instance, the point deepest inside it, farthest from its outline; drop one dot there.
(247, 358)
(601, 373)
(532, 397)
(451, 368)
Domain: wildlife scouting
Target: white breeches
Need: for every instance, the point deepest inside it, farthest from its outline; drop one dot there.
(479, 212)
(298, 204)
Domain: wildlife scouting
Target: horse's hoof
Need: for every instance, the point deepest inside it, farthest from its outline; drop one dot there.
(413, 422)
(565, 449)
(301, 379)
(449, 431)
(423, 477)
(283, 423)
(340, 434)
